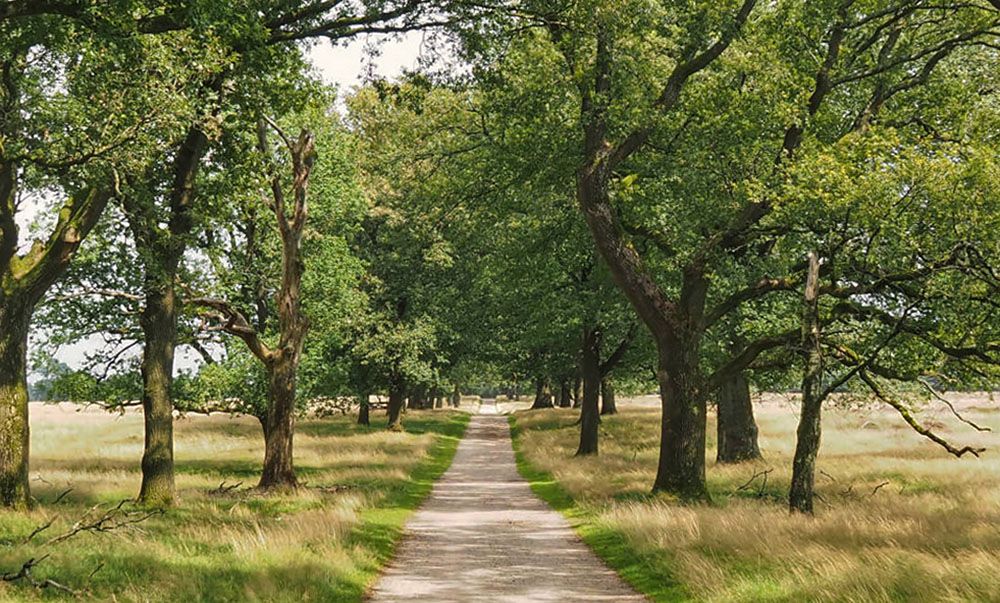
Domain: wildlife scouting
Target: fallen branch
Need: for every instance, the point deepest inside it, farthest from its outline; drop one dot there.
(38, 530)
(878, 487)
(115, 518)
(763, 484)
(25, 574)
(224, 489)
(62, 496)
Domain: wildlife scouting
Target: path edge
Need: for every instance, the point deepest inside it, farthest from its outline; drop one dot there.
(611, 547)
(440, 459)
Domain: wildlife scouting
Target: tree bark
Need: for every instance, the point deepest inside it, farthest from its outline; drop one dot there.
(608, 406)
(159, 328)
(681, 466)
(543, 395)
(397, 398)
(278, 469)
(565, 397)
(282, 363)
(15, 317)
(675, 326)
(737, 429)
(456, 397)
(590, 369)
(800, 495)
(24, 280)
(162, 251)
(364, 410)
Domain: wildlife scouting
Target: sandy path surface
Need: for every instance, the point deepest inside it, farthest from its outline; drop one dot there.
(483, 536)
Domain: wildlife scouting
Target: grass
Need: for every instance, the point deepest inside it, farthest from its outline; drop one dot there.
(326, 542)
(932, 533)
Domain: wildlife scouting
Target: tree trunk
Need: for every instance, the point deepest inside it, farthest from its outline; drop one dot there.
(590, 368)
(159, 329)
(608, 406)
(162, 252)
(397, 398)
(800, 495)
(364, 411)
(578, 391)
(278, 469)
(737, 429)
(681, 467)
(418, 398)
(543, 395)
(565, 397)
(456, 397)
(14, 431)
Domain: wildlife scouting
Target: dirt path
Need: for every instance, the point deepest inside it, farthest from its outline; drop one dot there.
(483, 536)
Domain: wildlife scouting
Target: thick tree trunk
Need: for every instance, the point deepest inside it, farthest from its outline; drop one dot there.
(590, 368)
(14, 433)
(543, 395)
(608, 406)
(737, 429)
(364, 410)
(800, 495)
(456, 397)
(278, 469)
(397, 398)
(159, 328)
(681, 467)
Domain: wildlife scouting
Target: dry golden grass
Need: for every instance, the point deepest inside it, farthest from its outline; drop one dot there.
(241, 546)
(932, 533)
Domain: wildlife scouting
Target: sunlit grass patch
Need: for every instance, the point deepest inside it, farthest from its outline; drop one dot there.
(899, 519)
(326, 542)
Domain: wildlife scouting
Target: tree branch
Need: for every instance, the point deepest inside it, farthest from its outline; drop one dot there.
(912, 422)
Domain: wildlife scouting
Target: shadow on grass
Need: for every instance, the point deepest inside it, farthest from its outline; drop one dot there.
(645, 572)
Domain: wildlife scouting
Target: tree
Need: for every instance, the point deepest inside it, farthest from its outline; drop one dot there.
(78, 118)
(641, 133)
(280, 361)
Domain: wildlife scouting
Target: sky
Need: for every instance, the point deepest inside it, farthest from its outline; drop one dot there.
(344, 66)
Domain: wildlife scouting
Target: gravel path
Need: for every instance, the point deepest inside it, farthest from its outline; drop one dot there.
(482, 535)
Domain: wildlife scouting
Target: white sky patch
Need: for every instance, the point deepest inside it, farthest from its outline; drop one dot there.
(366, 58)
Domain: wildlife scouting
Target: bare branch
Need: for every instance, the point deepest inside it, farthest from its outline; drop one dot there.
(912, 422)
(25, 574)
(934, 392)
(236, 324)
(115, 518)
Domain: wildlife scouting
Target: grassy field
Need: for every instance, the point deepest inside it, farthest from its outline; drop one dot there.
(325, 543)
(899, 519)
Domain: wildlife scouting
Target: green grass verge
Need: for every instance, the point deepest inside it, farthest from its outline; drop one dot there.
(382, 527)
(645, 572)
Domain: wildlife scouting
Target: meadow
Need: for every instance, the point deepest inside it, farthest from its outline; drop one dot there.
(898, 519)
(222, 541)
